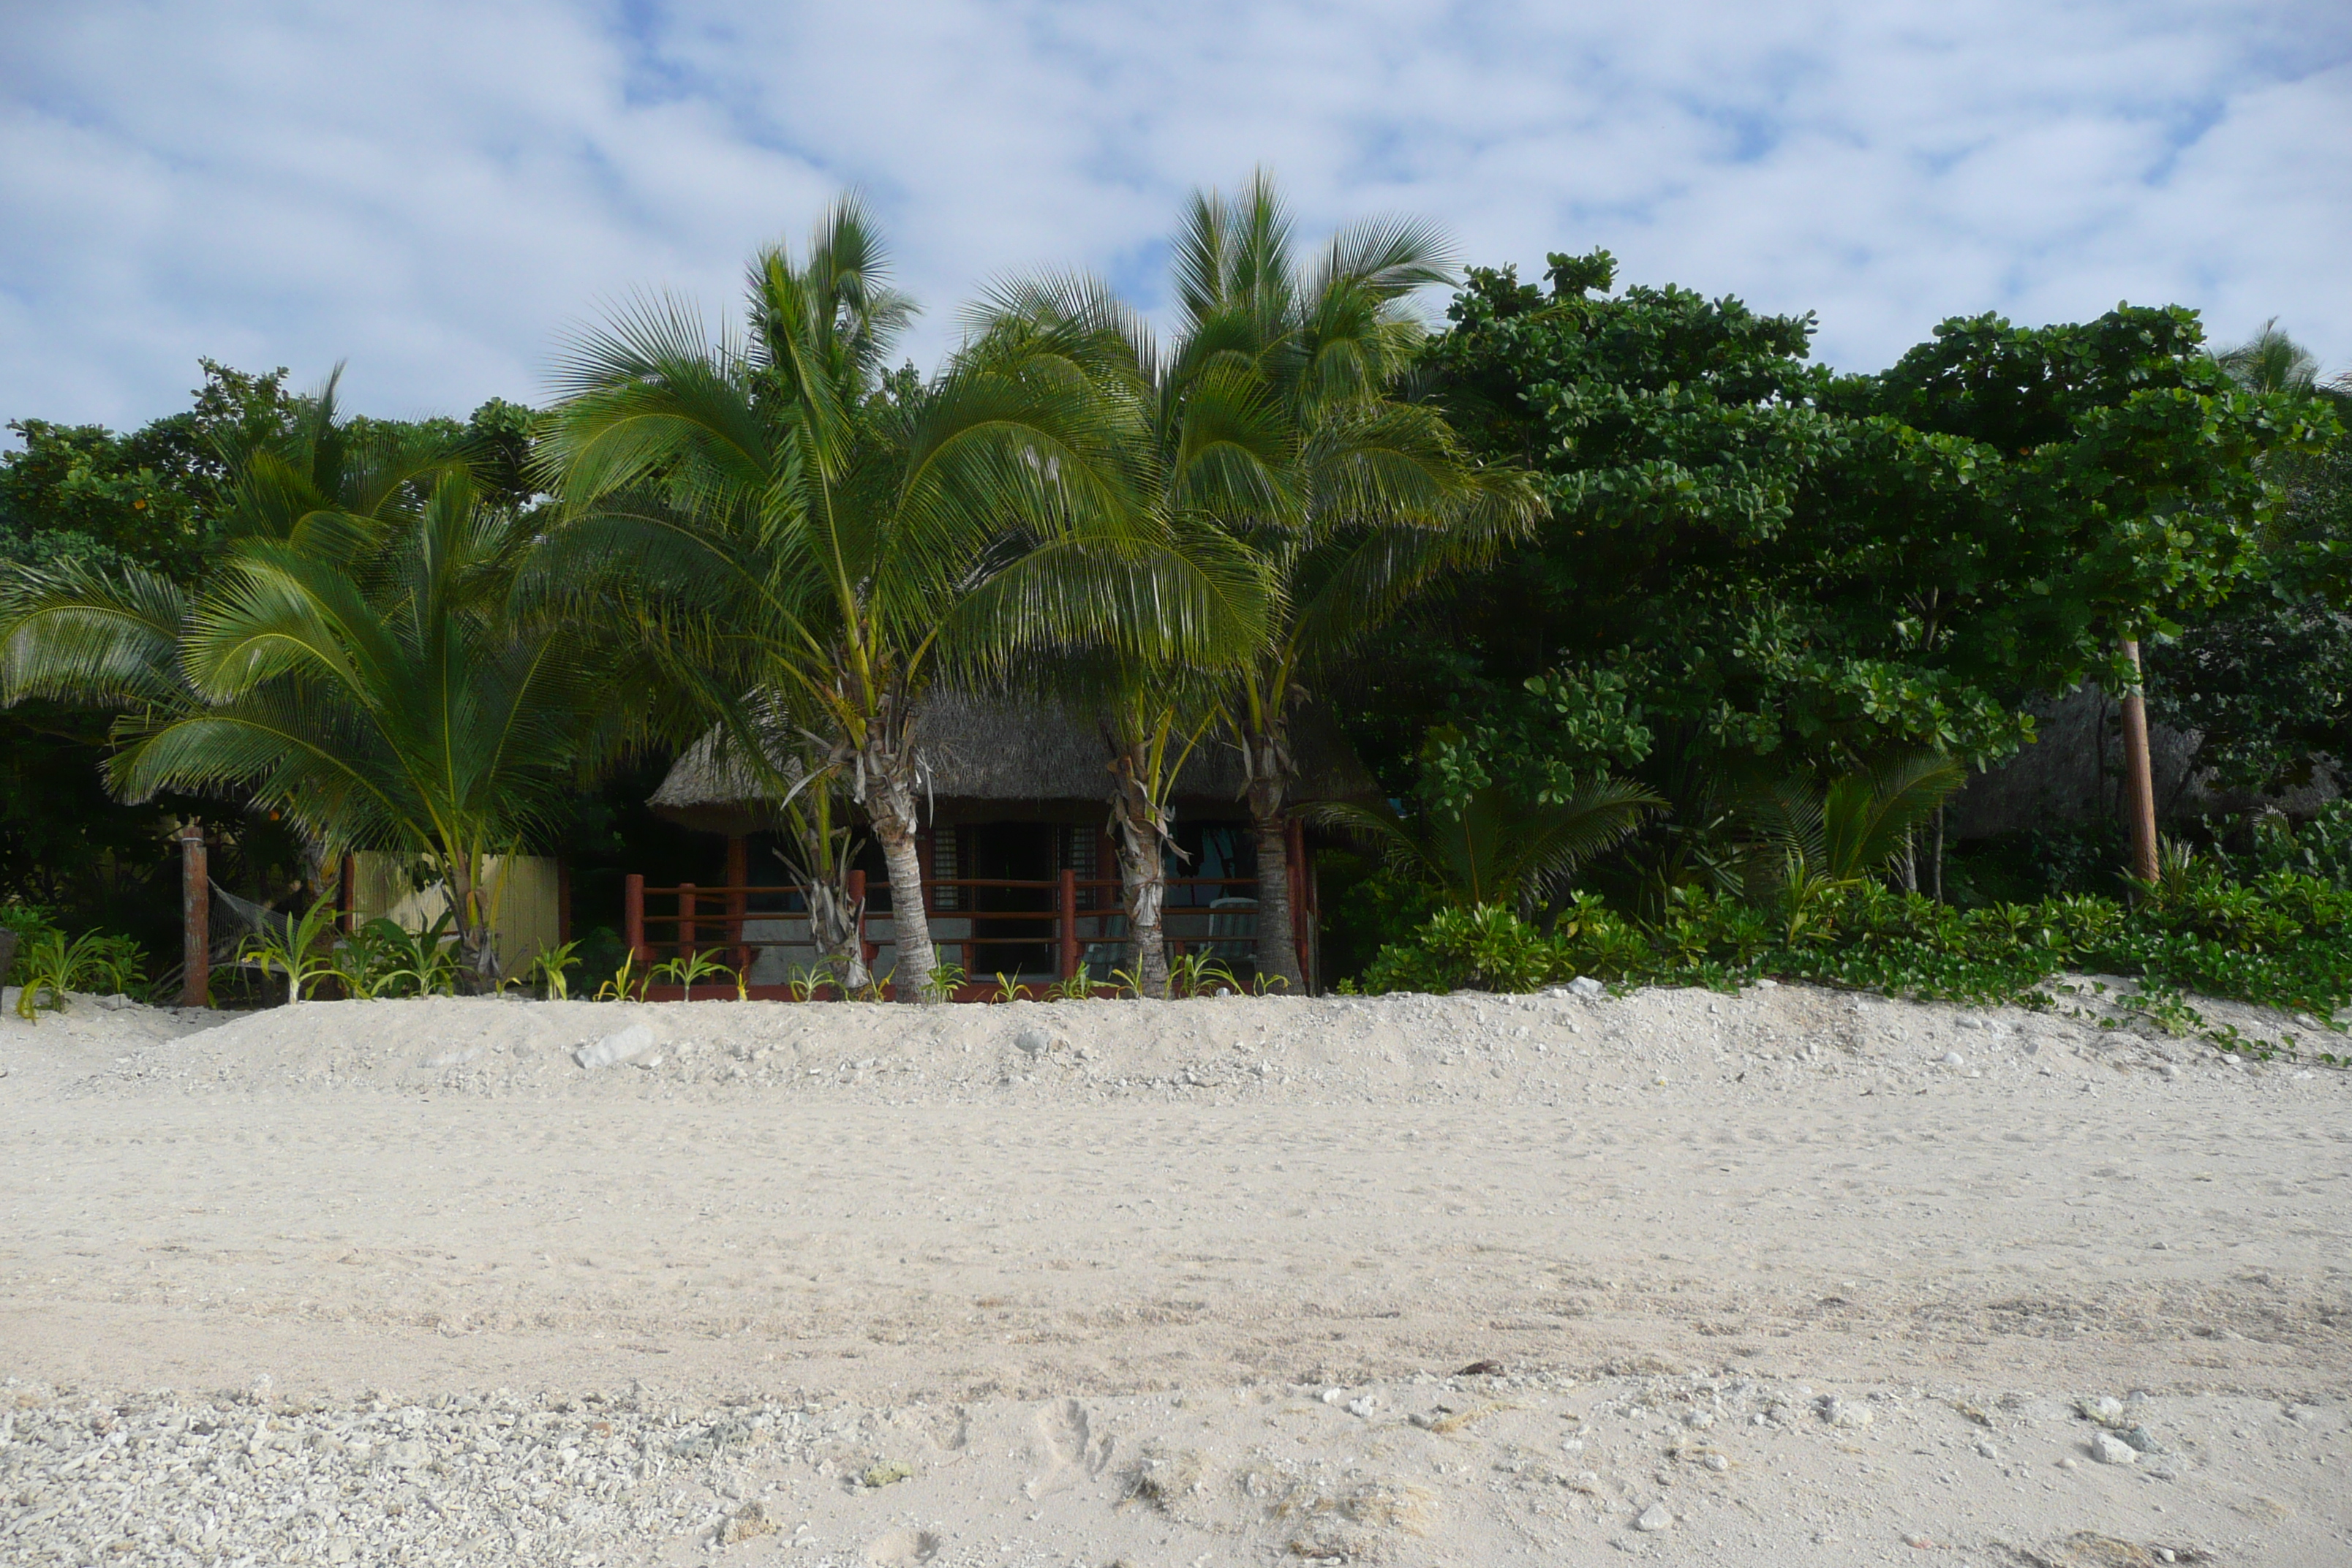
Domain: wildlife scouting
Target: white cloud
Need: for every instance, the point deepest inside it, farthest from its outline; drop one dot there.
(434, 190)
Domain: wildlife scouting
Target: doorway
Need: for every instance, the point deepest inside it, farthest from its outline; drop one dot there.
(1021, 852)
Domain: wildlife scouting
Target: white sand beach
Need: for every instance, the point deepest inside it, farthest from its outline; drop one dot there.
(1792, 1276)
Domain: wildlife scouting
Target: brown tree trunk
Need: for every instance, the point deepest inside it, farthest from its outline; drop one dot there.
(890, 806)
(1278, 949)
(1267, 761)
(1142, 873)
(2139, 779)
(1938, 893)
(478, 953)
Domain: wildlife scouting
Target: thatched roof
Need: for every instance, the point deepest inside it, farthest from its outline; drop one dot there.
(998, 749)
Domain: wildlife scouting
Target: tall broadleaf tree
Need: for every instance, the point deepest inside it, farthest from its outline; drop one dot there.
(808, 543)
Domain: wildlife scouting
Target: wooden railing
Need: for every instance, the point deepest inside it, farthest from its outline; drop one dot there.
(712, 920)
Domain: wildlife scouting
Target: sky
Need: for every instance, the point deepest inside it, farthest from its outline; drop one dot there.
(439, 192)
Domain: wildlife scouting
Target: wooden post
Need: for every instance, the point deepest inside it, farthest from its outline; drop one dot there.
(738, 877)
(347, 905)
(562, 900)
(195, 919)
(1066, 925)
(633, 915)
(685, 919)
(2139, 780)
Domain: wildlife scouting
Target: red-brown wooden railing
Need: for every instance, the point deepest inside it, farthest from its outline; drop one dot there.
(1075, 899)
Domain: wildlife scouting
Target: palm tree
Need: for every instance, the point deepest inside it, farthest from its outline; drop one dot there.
(816, 541)
(1277, 417)
(1494, 849)
(2270, 361)
(1813, 839)
(361, 659)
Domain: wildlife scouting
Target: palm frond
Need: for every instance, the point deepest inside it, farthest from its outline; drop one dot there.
(77, 635)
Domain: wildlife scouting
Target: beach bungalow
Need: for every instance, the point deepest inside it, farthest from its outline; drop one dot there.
(1022, 877)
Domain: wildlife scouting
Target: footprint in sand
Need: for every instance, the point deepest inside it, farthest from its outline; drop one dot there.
(1066, 1435)
(902, 1549)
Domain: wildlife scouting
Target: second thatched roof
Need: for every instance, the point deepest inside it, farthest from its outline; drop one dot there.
(1012, 753)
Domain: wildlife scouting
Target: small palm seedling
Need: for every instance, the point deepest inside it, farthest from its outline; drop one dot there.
(945, 980)
(1128, 983)
(617, 988)
(49, 966)
(1008, 989)
(300, 949)
(805, 983)
(396, 959)
(1198, 973)
(1080, 987)
(54, 966)
(688, 970)
(548, 968)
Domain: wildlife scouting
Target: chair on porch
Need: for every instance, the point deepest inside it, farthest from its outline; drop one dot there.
(1233, 930)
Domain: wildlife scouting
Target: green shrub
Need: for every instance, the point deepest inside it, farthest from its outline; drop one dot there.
(31, 923)
(1488, 948)
(2320, 848)
(2283, 941)
(51, 966)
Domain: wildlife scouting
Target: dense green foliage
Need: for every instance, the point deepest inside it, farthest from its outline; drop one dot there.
(1777, 560)
(161, 500)
(2283, 942)
(1652, 626)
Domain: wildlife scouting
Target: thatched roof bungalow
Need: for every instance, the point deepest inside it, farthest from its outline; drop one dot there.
(1019, 794)
(991, 759)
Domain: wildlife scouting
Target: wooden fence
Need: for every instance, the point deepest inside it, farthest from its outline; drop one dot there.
(978, 922)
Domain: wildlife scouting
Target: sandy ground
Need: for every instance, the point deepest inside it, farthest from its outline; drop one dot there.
(1792, 1276)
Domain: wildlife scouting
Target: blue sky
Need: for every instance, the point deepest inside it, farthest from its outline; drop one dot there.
(436, 192)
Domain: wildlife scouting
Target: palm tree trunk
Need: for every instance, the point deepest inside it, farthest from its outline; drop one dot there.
(1265, 759)
(890, 806)
(1277, 947)
(832, 932)
(477, 954)
(1141, 826)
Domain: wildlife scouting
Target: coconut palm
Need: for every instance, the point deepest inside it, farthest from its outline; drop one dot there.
(2270, 361)
(1153, 715)
(814, 541)
(1494, 849)
(357, 659)
(1813, 839)
(1276, 416)
(1372, 496)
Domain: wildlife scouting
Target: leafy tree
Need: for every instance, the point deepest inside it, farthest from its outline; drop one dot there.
(813, 542)
(1838, 569)
(154, 498)
(2265, 679)
(2123, 483)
